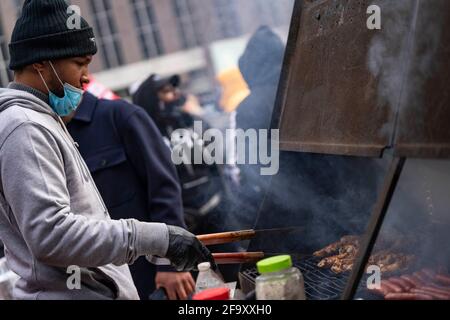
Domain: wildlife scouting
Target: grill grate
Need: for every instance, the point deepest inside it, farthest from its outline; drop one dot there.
(320, 284)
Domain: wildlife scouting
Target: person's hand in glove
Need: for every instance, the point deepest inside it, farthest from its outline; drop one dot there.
(185, 251)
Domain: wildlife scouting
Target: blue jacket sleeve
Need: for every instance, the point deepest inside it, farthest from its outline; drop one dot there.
(151, 158)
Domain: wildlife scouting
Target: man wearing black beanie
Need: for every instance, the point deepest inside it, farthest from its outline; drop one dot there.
(56, 230)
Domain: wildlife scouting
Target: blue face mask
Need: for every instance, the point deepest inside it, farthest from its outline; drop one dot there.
(67, 104)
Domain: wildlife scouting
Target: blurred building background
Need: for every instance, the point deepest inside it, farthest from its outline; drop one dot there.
(195, 38)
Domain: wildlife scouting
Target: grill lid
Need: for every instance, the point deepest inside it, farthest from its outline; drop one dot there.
(349, 90)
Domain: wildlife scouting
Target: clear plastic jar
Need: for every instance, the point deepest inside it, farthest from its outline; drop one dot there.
(279, 280)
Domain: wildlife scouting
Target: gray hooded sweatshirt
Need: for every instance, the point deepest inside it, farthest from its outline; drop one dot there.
(52, 216)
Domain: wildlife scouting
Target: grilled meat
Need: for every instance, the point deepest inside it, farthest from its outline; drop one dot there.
(391, 262)
(330, 261)
(342, 266)
(347, 249)
(334, 247)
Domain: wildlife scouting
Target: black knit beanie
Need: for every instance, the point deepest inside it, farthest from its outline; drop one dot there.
(42, 33)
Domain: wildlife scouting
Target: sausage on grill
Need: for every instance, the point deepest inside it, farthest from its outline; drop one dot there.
(443, 279)
(433, 294)
(391, 286)
(409, 280)
(404, 285)
(407, 296)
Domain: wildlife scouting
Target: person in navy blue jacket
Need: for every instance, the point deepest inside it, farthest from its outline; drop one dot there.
(132, 168)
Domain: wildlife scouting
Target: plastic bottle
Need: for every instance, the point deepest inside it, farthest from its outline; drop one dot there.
(279, 280)
(207, 278)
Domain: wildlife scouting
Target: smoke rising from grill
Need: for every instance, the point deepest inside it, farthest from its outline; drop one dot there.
(330, 196)
(419, 211)
(402, 55)
(403, 58)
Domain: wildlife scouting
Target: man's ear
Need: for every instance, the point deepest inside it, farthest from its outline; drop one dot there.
(39, 67)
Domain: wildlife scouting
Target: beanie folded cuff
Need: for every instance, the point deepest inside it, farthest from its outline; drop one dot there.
(72, 43)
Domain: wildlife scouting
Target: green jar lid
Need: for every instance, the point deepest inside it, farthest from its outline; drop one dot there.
(274, 264)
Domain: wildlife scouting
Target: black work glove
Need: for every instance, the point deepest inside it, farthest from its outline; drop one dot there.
(185, 251)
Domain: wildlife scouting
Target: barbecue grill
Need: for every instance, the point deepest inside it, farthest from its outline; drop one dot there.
(360, 113)
(320, 284)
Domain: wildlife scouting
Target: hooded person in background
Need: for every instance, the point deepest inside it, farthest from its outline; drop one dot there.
(52, 217)
(166, 104)
(260, 66)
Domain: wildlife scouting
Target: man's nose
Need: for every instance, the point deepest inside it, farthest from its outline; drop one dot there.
(171, 96)
(85, 80)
